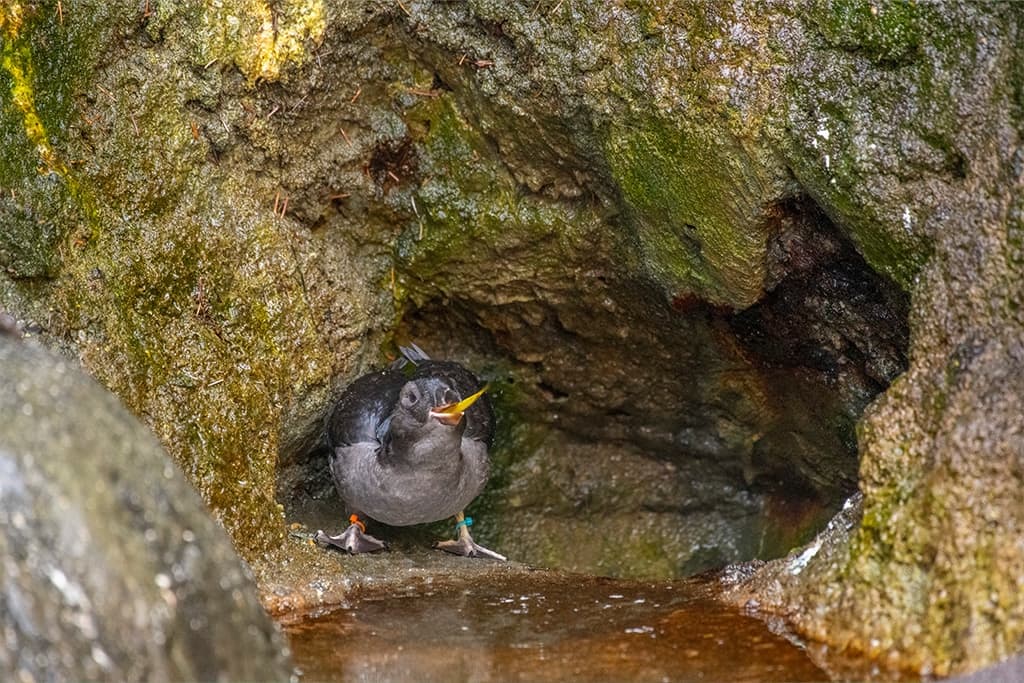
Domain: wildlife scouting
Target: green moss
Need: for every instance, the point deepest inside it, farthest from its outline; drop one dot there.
(688, 197)
(47, 54)
(188, 300)
(888, 32)
(838, 188)
(862, 173)
(197, 332)
(28, 165)
(60, 47)
(468, 210)
(898, 256)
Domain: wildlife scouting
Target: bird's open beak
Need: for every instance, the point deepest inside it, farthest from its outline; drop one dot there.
(451, 414)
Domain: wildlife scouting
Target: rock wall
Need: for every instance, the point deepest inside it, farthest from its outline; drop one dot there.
(928, 579)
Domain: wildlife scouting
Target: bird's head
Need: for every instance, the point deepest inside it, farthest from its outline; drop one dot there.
(430, 399)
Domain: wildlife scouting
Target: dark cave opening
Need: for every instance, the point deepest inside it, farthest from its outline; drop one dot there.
(641, 438)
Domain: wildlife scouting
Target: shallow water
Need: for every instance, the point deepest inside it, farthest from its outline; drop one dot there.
(549, 628)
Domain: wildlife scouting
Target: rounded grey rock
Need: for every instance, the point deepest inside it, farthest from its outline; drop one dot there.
(111, 567)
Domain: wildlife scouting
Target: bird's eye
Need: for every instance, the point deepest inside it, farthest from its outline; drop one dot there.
(410, 396)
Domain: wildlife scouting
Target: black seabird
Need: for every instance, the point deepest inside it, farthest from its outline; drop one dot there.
(409, 449)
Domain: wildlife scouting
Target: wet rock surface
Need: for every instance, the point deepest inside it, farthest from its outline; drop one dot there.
(110, 564)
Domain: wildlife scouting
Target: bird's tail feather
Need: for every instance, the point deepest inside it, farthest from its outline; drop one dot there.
(413, 354)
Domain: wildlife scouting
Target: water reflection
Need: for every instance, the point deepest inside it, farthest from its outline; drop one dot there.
(560, 628)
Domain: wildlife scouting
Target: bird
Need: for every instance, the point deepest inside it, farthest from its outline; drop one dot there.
(409, 445)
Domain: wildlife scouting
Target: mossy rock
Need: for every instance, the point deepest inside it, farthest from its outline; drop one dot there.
(888, 33)
(694, 198)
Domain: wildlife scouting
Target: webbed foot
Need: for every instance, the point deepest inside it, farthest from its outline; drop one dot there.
(465, 545)
(352, 540)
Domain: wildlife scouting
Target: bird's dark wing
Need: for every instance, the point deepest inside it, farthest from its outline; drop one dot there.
(360, 414)
(480, 415)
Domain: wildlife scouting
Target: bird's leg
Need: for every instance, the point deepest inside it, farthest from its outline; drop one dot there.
(465, 545)
(353, 540)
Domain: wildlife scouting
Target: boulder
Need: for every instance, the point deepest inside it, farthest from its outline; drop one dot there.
(111, 566)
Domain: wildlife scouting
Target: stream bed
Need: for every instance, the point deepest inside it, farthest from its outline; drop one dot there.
(550, 626)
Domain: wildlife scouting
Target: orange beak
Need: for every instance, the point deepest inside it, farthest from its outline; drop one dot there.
(451, 414)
